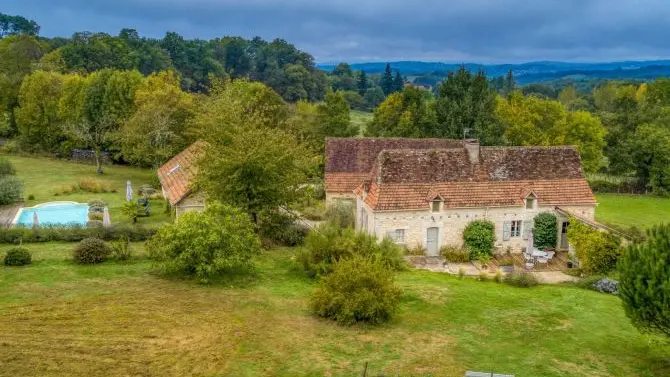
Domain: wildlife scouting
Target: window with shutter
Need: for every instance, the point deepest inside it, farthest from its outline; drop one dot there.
(515, 228)
(507, 230)
(527, 227)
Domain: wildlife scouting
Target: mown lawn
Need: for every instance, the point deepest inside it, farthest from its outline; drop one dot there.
(116, 319)
(632, 210)
(46, 179)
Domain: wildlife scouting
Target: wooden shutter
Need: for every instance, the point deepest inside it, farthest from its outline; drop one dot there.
(527, 226)
(507, 230)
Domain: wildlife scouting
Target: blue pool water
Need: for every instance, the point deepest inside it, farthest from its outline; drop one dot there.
(55, 214)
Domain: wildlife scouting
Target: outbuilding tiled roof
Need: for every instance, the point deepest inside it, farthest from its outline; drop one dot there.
(177, 175)
(349, 160)
(407, 179)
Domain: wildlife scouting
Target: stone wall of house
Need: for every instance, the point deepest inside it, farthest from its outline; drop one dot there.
(452, 222)
(332, 198)
(191, 203)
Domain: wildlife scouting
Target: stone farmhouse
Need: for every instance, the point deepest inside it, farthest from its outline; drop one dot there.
(176, 177)
(425, 191)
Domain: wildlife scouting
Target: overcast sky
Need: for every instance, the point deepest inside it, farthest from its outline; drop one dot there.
(486, 31)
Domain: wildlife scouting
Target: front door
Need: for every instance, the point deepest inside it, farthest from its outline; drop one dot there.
(431, 241)
(564, 235)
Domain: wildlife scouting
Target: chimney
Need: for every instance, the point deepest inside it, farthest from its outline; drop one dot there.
(472, 147)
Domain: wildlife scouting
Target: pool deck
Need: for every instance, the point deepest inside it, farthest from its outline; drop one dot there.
(8, 213)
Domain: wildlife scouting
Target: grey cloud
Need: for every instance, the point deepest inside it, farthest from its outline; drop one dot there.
(472, 30)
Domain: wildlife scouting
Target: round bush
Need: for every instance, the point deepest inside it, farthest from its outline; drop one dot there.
(97, 203)
(18, 256)
(6, 167)
(479, 237)
(545, 230)
(206, 245)
(11, 189)
(91, 251)
(358, 290)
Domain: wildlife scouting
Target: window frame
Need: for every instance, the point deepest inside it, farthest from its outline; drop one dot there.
(397, 235)
(435, 202)
(515, 229)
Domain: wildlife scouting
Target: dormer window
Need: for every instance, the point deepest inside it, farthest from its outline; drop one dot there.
(436, 205)
(530, 201)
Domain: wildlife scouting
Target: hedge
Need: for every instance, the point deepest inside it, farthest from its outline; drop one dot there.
(73, 233)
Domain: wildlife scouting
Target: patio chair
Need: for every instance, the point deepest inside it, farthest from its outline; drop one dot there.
(543, 260)
(550, 255)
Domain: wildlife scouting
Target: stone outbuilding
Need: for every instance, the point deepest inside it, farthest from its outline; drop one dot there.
(177, 177)
(425, 192)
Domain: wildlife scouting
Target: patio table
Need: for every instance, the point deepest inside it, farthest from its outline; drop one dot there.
(536, 253)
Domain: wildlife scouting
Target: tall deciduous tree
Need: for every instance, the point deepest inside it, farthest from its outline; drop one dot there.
(403, 114)
(157, 129)
(644, 281)
(333, 116)
(106, 101)
(38, 117)
(465, 107)
(13, 25)
(255, 169)
(528, 120)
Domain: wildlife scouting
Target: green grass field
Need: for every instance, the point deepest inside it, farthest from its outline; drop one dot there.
(360, 119)
(45, 179)
(118, 319)
(632, 210)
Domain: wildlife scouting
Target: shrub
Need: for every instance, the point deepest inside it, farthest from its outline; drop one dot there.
(120, 249)
(454, 254)
(94, 186)
(18, 256)
(11, 189)
(280, 229)
(94, 215)
(341, 213)
(506, 261)
(644, 281)
(597, 251)
(461, 273)
(31, 197)
(328, 244)
(545, 230)
(97, 203)
(94, 223)
(483, 276)
(10, 147)
(499, 276)
(358, 290)
(521, 279)
(6, 167)
(417, 249)
(479, 237)
(132, 210)
(314, 213)
(91, 251)
(206, 245)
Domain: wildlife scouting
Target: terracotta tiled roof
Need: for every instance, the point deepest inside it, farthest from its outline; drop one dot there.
(176, 176)
(358, 155)
(406, 179)
(343, 183)
(349, 160)
(495, 164)
(406, 196)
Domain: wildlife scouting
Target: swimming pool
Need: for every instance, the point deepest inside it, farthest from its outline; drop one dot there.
(54, 213)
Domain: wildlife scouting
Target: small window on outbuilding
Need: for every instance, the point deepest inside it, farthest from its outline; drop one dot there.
(436, 205)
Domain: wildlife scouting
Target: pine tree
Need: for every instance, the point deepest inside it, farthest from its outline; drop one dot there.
(644, 273)
(398, 83)
(362, 83)
(508, 86)
(387, 80)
